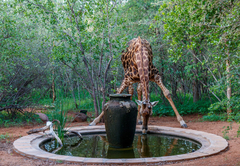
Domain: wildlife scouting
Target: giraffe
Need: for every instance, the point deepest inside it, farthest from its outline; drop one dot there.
(138, 68)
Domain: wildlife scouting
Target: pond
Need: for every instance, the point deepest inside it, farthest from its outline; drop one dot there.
(96, 146)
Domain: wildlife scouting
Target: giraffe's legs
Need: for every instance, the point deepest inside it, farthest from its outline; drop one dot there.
(157, 80)
(97, 119)
(142, 146)
(139, 92)
(124, 84)
(130, 90)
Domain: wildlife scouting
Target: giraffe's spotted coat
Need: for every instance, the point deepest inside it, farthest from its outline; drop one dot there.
(138, 68)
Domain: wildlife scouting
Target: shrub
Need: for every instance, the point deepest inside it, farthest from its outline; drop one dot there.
(214, 117)
(20, 119)
(187, 107)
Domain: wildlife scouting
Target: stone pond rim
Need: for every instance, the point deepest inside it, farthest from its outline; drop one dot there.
(28, 146)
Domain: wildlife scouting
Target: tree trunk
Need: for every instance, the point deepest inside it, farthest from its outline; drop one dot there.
(205, 80)
(53, 88)
(72, 90)
(174, 89)
(195, 91)
(195, 85)
(93, 94)
(174, 83)
(95, 101)
(229, 90)
(79, 96)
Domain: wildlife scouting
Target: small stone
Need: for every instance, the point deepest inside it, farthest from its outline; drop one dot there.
(80, 117)
(43, 117)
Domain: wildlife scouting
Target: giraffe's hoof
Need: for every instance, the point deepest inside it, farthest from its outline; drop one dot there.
(92, 124)
(184, 125)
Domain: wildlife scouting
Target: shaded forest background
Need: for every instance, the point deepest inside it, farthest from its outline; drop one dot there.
(66, 54)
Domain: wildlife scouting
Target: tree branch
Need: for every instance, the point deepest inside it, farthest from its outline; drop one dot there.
(191, 51)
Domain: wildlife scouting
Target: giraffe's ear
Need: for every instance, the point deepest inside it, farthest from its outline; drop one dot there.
(154, 103)
(139, 102)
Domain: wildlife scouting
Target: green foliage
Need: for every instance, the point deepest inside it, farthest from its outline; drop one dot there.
(69, 45)
(185, 108)
(222, 116)
(61, 115)
(226, 131)
(214, 117)
(236, 117)
(219, 107)
(20, 119)
(201, 36)
(4, 136)
(84, 101)
(188, 23)
(22, 63)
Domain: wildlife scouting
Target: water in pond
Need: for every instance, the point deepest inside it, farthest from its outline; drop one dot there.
(150, 145)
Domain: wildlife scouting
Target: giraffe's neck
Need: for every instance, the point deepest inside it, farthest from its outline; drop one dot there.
(142, 61)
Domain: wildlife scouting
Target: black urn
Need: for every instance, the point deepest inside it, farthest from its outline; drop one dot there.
(120, 115)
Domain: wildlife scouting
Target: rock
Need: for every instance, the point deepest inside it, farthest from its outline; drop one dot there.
(80, 117)
(43, 117)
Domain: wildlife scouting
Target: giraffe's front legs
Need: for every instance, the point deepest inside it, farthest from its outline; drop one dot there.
(139, 92)
(157, 79)
(123, 86)
(131, 90)
(97, 119)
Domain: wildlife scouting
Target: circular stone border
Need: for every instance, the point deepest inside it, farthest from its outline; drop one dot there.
(211, 144)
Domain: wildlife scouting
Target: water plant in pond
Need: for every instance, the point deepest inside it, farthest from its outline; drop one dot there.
(59, 116)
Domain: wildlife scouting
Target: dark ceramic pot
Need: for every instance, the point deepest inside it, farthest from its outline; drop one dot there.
(120, 115)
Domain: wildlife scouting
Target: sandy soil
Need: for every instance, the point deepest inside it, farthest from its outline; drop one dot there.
(230, 157)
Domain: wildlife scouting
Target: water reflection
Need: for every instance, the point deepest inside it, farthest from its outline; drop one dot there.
(173, 144)
(96, 146)
(142, 146)
(120, 153)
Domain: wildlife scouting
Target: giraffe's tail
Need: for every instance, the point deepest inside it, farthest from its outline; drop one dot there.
(139, 40)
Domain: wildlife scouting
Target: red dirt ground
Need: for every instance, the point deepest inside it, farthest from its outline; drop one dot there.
(230, 157)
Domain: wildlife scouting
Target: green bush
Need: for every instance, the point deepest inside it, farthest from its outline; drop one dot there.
(86, 102)
(20, 119)
(214, 117)
(237, 117)
(220, 107)
(187, 107)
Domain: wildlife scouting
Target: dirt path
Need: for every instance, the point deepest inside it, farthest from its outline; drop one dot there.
(230, 157)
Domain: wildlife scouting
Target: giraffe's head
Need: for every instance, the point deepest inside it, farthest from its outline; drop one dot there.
(145, 112)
